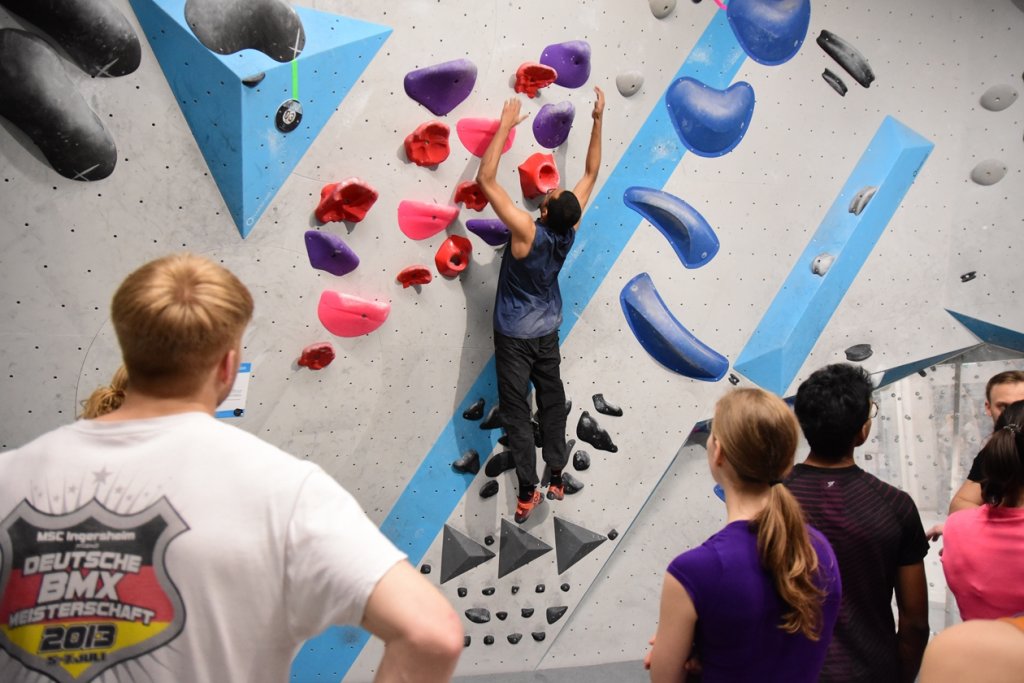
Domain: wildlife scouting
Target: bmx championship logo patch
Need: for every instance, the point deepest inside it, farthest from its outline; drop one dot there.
(82, 592)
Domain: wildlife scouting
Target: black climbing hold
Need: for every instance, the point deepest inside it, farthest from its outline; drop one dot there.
(835, 81)
(488, 540)
(462, 591)
(466, 640)
(475, 411)
(289, 115)
(538, 636)
(539, 588)
(733, 379)
(517, 548)
(605, 408)
(503, 439)
(468, 462)
(581, 461)
(846, 56)
(425, 569)
(527, 612)
(612, 535)
(968, 276)
(565, 588)
(499, 463)
(489, 489)
(254, 80)
(573, 543)
(859, 352)
(569, 445)
(515, 637)
(588, 430)
(488, 640)
(459, 554)
(488, 591)
(555, 613)
(571, 483)
(922, 373)
(478, 615)
(493, 420)
(501, 615)
(515, 589)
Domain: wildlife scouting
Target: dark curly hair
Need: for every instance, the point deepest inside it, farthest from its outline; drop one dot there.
(832, 406)
(563, 212)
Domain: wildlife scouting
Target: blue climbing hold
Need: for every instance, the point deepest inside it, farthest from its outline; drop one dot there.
(770, 31)
(664, 337)
(710, 122)
(690, 235)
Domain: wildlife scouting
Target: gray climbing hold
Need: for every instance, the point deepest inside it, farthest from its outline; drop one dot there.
(527, 612)
(612, 535)
(581, 461)
(861, 199)
(573, 543)
(463, 592)
(499, 463)
(988, 172)
(489, 489)
(571, 483)
(629, 82)
(488, 591)
(425, 569)
(488, 640)
(565, 587)
(493, 419)
(662, 8)
(468, 462)
(999, 97)
(514, 637)
(968, 276)
(475, 411)
(847, 56)
(605, 408)
(821, 263)
(835, 81)
(555, 613)
(254, 80)
(478, 615)
(539, 588)
(459, 554)
(859, 352)
(517, 548)
(588, 430)
(538, 635)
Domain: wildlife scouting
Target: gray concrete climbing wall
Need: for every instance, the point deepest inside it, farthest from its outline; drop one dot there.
(395, 395)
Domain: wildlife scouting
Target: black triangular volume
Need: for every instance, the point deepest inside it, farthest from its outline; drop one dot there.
(573, 543)
(517, 548)
(460, 553)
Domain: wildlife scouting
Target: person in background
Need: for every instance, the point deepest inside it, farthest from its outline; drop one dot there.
(106, 399)
(758, 600)
(874, 528)
(979, 650)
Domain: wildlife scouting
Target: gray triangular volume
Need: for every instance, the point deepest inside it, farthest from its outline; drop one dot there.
(573, 543)
(517, 548)
(460, 553)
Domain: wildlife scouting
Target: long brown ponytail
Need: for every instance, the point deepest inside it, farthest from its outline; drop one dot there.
(758, 434)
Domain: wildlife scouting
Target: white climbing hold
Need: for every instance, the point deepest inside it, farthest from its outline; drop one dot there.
(861, 199)
(998, 97)
(662, 8)
(629, 82)
(988, 172)
(821, 263)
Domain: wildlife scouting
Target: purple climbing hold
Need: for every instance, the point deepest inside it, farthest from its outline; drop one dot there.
(710, 122)
(571, 60)
(770, 31)
(328, 252)
(552, 124)
(490, 230)
(441, 87)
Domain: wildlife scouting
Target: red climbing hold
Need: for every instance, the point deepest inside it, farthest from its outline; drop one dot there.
(532, 76)
(345, 315)
(538, 175)
(317, 356)
(476, 134)
(470, 194)
(419, 220)
(348, 200)
(453, 255)
(428, 144)
(414, 275)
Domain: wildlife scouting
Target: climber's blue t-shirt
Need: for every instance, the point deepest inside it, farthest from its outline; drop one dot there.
(528, 302)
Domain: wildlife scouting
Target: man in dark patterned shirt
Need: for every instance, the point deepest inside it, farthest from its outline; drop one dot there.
(874, 528)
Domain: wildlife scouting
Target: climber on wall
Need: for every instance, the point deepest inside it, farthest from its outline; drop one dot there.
(528, 308)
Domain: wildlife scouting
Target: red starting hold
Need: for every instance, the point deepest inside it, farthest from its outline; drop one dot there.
(470, 194)
(414, 275)
(428, 144)
(532, 76)
(348, 200)
(317, 356)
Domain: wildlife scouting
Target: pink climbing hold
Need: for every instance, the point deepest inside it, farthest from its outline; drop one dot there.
(414, 275)
(348, 200)
(538, 175)
(476, 134)
(419, 220)
(453, 256)
(470, 194)
(345, 315)
(428, 144)
(317, 356)
(532, 76)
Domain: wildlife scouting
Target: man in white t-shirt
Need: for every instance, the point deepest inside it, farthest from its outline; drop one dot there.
(156, 543)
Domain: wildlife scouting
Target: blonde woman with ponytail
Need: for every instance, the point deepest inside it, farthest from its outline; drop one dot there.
(106, 399)
(758, 600)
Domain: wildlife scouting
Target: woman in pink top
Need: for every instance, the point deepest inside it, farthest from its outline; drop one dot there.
(983, 553)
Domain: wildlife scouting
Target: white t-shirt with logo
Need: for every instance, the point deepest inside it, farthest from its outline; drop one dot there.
(173, 549)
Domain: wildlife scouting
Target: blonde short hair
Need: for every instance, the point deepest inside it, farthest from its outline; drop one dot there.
(174, 318)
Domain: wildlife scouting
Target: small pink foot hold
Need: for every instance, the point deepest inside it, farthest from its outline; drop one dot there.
(348, 200)
(532, 76)
(317, 356)
(415, 275)
(476, 134)
(428, 144)
(345, 315)
(453, 256)
(538, 175)
(470, 194)
(419, 220)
